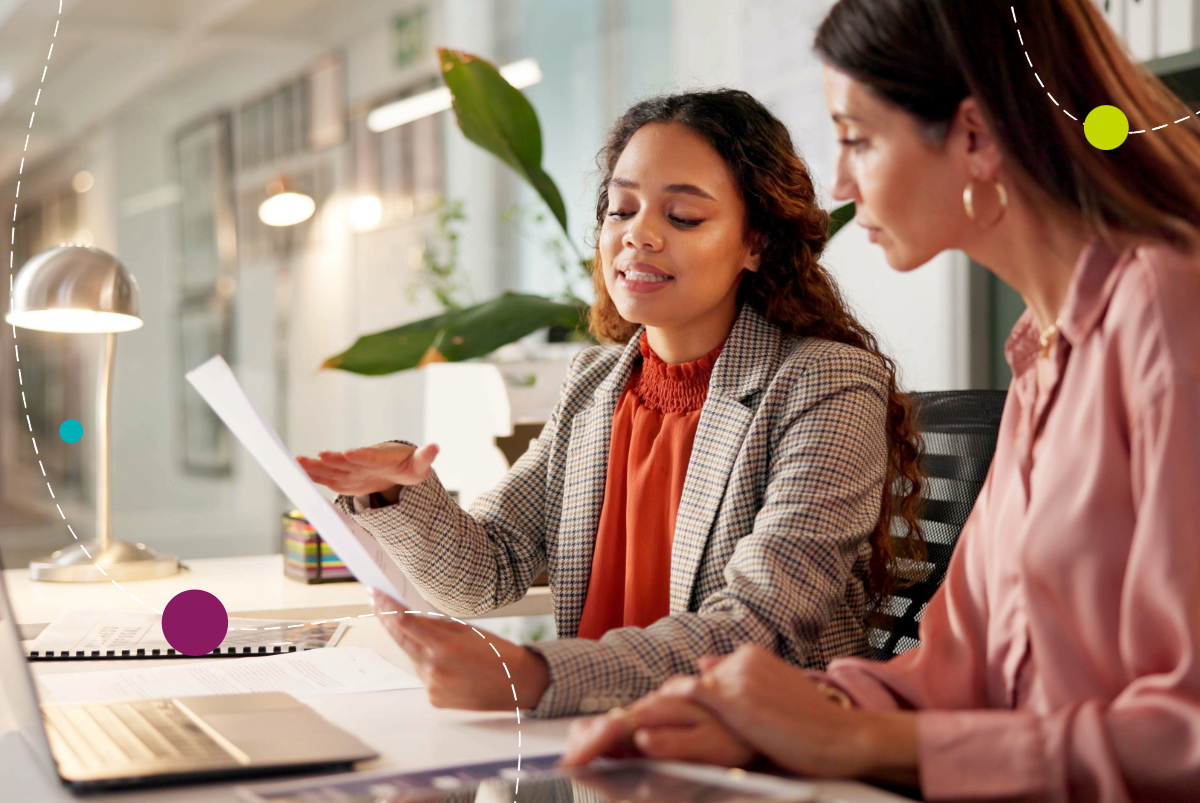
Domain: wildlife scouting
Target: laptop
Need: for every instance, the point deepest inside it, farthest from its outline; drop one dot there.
(124, 743)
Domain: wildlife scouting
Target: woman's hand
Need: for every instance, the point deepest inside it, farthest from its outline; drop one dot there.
(780, 712)
(668, 728)
(458, 667)
(368, 469)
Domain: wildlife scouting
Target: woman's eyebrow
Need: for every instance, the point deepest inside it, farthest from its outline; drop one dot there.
(687, 189)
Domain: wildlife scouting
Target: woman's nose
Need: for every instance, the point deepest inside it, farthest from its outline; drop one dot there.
(844, 188)
(642, 235)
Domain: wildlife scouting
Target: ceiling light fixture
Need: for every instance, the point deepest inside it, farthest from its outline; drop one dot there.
(284, 206)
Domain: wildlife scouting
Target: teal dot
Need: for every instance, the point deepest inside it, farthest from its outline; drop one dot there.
(71, 430)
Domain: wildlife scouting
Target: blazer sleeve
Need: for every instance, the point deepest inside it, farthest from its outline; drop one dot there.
(468, 563)
(786, 578)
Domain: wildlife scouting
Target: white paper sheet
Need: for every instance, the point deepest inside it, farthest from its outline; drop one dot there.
(358, 549)
(345, 670)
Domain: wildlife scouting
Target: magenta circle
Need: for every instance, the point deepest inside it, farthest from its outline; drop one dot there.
(195, 622)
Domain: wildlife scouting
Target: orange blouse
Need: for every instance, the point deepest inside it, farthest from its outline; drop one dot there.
(652, 432)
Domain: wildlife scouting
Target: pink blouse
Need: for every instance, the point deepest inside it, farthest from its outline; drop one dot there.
(1061, 658)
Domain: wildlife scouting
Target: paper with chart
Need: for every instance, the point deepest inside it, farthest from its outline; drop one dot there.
(346, 670)
(365, 557)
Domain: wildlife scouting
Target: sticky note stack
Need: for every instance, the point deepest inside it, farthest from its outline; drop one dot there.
(306, 557)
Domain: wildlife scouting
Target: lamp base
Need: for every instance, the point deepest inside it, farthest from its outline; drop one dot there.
(121, 561)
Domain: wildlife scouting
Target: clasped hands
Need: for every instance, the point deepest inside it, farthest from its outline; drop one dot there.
(746, 705)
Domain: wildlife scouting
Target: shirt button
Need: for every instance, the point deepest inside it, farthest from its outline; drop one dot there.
(589, 705)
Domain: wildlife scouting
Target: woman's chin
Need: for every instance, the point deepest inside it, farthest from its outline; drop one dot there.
(641, 310)
(899, 259)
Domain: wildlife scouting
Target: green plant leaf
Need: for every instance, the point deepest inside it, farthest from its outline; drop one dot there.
(460, 334)
(494, 115)
(840, 217)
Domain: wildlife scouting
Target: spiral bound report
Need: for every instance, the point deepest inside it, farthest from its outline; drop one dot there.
(117, 635)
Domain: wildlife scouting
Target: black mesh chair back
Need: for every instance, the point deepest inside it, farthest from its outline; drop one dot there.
(959, 429)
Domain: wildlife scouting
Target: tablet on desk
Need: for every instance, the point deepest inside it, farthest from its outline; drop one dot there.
(624, 781)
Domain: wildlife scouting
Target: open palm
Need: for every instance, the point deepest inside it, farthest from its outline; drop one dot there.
(368, 469)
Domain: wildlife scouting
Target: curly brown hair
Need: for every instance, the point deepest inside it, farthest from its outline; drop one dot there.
(791, 288)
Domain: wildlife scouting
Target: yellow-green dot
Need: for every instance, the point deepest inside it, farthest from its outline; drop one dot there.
(1106, 127)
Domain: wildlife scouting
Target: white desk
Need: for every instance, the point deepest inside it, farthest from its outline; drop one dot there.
(407, 731)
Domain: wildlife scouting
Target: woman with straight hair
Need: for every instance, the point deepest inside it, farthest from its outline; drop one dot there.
(1060, 660)
(729, 471)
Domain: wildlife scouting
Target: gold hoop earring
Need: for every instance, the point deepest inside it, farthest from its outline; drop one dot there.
(969, 200)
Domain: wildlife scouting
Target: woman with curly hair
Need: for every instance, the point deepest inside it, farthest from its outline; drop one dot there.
(728, 472)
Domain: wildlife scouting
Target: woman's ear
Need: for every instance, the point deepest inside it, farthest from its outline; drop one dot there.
(973, 138)
(758, 244)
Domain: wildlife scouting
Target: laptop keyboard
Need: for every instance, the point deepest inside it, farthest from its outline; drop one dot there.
(135, 732)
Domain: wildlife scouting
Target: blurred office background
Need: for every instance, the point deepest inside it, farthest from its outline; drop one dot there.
(160, 123)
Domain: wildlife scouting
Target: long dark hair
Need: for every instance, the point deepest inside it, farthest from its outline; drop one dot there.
(791, 288)
(926, 56)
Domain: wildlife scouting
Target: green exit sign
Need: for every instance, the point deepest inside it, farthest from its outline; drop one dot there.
(408, 32)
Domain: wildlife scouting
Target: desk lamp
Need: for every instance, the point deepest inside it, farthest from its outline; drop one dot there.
(85, 290)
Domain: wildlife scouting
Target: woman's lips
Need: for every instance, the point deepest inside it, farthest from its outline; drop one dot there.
(639, 279)
(873, 232)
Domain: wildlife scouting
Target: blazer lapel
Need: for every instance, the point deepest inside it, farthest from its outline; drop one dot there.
(585, 475)
(741, 371)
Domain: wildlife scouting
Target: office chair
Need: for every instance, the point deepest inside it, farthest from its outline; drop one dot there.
(959, 429)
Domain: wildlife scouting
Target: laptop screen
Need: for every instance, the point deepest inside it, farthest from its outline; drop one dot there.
(19, 712)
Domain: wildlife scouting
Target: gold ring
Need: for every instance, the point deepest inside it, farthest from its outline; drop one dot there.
(708, 680)
(836, 695)
(625, 715)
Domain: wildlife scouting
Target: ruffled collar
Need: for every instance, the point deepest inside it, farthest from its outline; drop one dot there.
(678, 388)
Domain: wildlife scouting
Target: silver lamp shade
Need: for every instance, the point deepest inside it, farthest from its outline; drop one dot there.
(75, 289)
(85, 290)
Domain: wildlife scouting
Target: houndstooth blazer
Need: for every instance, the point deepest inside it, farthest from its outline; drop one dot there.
(782, 491)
